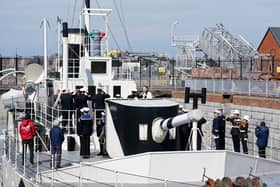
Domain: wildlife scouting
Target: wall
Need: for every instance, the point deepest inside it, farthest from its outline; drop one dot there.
(257, 113)
(268, 46)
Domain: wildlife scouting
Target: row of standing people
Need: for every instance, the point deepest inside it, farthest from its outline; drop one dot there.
(84, 128)
(239, 132)
(76, 101)
(79, 102)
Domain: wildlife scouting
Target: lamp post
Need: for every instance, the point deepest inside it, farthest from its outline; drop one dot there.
(172, 33)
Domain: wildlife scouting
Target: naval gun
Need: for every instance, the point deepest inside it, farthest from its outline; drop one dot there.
(144, 125)
(161, 126)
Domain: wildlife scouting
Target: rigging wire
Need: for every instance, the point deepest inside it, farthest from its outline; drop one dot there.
(122, 12)
(123, 26)
(74, 11)
(110, 30)
(67, 10)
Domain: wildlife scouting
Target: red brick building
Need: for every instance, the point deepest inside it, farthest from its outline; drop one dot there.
(270, 46)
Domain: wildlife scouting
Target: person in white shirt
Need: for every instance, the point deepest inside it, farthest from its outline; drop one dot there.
(146, 93)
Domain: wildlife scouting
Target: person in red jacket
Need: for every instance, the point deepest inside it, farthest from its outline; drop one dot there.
(27, 132)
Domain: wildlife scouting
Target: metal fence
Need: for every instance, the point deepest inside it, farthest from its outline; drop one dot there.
(248, 87)
(272, 149)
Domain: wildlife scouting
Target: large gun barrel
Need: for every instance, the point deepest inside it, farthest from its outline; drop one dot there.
(161, 126)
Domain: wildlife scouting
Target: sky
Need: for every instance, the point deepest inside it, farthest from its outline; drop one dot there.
(148, 22)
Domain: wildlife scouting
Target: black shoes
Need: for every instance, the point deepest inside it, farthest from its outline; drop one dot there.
(102, 154)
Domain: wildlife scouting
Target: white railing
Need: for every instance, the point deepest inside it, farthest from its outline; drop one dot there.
(247, 87)
(79, 176)
(46, 115)
(93, 48)
(272, 149)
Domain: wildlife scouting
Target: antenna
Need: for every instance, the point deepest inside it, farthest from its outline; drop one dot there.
(45, 24)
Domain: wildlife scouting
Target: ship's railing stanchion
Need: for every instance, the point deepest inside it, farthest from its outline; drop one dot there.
(35, 112)
(41, 112)
(10, 144)
(5, 139)
(271, 146)
(117, 178)
(52, 117)
(80, 176)
(16, 147)
(24, 147)
(254, 146)
(76, 121)
(68, 120)
(52, 163)
(37, 165)
(31, 111)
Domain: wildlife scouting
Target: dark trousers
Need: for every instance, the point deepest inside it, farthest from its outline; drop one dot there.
(244, 145)
(262, 152)
(236, 143)
(85, 145)
(56, 156)
(100, 127)
(220, 143)
(30, 144)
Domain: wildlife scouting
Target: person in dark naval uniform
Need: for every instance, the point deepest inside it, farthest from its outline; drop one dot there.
(235, 131)
(85, 130)
(244, 133)
(98, 104)
(67, 103)
(218, 130)
(81, 99)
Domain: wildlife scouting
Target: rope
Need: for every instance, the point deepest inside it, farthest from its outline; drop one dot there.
(123, 26)
(73, 15)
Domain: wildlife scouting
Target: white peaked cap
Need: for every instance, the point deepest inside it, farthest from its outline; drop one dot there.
(236, 112)
(85, 109)
(246, 117)
(217, 111)
(83, 89)
(56, 122)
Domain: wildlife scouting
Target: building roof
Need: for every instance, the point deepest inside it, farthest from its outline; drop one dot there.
(276, 34)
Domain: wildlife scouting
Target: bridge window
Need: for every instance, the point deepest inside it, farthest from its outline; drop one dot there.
(98, 66)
